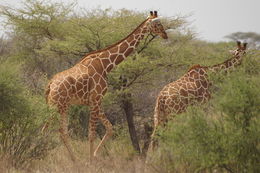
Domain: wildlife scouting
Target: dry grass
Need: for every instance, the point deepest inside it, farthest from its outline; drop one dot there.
(58, 161)
(116, 157)
(6, 167)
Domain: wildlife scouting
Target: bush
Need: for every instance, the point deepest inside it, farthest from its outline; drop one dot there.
(21, 119)
(221, 136)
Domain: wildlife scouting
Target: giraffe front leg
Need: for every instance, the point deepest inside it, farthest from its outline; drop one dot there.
(109, 130)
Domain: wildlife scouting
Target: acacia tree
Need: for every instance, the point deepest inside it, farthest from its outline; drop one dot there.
(250, 37)
(141, 71)
(51, 37)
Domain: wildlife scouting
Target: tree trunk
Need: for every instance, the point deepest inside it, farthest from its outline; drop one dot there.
(148, 129)
(127, 105)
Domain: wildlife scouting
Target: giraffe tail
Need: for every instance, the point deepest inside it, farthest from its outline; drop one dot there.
(47, 91)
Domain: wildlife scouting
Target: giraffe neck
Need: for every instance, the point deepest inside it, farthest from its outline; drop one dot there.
(226, 65)
(116, 53)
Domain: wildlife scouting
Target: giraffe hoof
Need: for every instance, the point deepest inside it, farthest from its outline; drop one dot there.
(95, 154)
(92, 159)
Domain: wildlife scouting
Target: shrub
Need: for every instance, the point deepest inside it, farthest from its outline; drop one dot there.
(221, 136)
(21, 119)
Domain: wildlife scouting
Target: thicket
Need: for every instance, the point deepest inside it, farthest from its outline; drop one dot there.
(223, 135)
(47, 38)
(50, 37)
(21, 119)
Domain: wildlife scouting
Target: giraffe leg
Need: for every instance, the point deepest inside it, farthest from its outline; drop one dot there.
(109, 130)
(64, 134)
(149, 152)
(153, 142)
(92, 130)
(157, 121)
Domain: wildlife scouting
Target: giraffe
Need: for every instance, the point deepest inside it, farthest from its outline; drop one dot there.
(86, 82)
(192, 87)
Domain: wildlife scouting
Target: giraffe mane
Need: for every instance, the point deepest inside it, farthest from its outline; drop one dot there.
(106, 48)
(215, 65)
(225, 62)
(194, 67)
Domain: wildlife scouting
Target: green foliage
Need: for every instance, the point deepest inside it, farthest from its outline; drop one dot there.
(221, 136)
(10, 93)
(121, 143)
(53, 38)
(79, 116)
(50, 37)
(251, 37)
(21, 116)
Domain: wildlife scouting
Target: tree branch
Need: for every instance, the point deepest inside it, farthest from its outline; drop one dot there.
(146, 43)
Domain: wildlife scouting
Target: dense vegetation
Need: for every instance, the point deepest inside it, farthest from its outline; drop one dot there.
(46, 38)
(222, 135)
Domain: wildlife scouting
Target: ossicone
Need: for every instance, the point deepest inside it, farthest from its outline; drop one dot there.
(153, 14)
(241, 46)
(244, 46)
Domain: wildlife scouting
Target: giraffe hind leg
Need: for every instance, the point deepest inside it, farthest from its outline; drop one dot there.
(64, 134)
(92, 131)
(153, 142)
(109, 130)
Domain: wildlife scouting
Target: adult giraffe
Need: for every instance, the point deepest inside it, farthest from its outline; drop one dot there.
(86, 82)
(192, 87)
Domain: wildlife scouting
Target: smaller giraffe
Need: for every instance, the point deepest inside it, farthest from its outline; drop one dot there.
(191, 88)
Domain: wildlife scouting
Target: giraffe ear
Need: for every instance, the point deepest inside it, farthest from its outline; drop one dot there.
(239, 44)
(151, 13)
(155, 14)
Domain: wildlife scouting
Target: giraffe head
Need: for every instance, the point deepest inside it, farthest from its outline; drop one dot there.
(154, 25)
(240, 50)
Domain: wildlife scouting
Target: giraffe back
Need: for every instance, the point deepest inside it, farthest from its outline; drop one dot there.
(78, 84)
(175, 97)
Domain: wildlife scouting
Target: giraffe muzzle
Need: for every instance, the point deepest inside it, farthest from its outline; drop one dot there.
(164, 35)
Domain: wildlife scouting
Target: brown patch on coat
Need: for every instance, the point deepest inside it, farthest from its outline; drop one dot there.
(80, 93)
(79, 86)
(198, 84)
(71, 80)
(113, 57)
(183, 92)
(204, 84)
(123, 47)
(96, 63)
(104, 54)
(110, 67)
(129, 51)
(113, 50)
(129, 39)
(132, 43)
(105, 62)
(119, 59)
